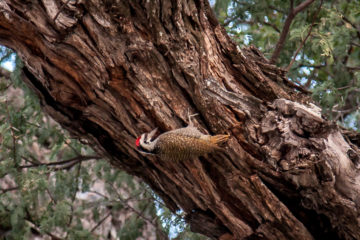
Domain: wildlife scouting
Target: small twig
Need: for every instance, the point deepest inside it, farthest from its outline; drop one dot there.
(73, 161)
(50, 195)
(100, 194)
(7, 55)
(69, 145)
(355, 44)
(311, 66)
(357, 28)
(271, 25)
(154, 199)
(61, 8)
(251, 23)
(69, 166)
(229, 20)
(77, 182)
(277, 9)
(100, 222)
(35, 161)
(8, 189)
(304, 40)
(298, 87)
(349, 51)
(353, 68)
(310, 78)
(150, 221)
(292, 13)
(12, 135)
(346, 87)
(74, 196)
(33, 124)
(36, 228)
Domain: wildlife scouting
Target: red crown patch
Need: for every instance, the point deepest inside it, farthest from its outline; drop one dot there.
(137, 142)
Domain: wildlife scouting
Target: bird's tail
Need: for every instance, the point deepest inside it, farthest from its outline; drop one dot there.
(219, 139)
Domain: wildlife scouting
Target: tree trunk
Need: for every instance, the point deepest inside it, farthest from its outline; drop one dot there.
(108, 71)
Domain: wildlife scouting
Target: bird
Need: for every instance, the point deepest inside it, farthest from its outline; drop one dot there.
(180, 144)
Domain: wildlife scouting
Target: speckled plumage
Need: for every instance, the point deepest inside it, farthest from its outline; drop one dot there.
(178, 145)
(181, 144)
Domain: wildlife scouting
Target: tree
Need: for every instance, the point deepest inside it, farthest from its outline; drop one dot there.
(108, 72)
(58, 188)
(319, 46)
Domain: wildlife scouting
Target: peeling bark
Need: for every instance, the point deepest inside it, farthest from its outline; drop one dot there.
(108, 71)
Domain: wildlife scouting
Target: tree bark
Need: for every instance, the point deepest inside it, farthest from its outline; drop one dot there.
(108, 71)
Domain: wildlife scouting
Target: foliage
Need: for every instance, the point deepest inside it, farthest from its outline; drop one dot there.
(52, 185)
(327, 64)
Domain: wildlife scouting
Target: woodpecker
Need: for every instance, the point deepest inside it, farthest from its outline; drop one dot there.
(180, 144)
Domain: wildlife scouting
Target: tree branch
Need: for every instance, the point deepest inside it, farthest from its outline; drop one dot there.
(74, 196)
(100, 222)
(36, 226)
(33, 160)
(304, 40)
(353, 68)
(138, 213)
(311, 66)
(276, 9)
(71, 161)
(14, 141)
(228, 21)
(8, 189)
(271, 25)
(292, 13)
(357, 28)
(355, 44)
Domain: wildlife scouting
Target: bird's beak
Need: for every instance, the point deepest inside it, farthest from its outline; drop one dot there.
(151, 134)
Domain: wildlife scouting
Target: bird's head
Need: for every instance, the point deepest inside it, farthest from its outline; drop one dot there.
(145, 143)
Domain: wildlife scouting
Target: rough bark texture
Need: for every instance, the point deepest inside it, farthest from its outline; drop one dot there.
(110, 70)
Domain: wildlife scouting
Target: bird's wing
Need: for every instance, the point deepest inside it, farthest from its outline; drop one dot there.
(186, 131)
(179, 147)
